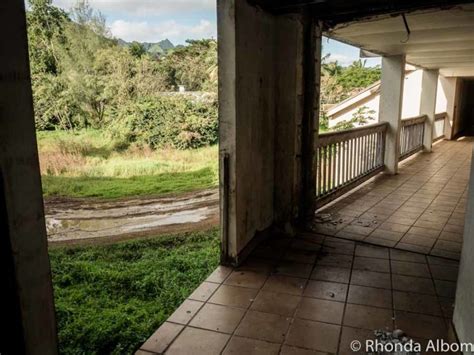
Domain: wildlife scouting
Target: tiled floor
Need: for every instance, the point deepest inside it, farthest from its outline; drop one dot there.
(317, 292)
(421, 209)
(311, 294)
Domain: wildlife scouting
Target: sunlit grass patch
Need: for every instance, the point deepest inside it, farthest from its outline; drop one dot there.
(110, 299)
(89, 163)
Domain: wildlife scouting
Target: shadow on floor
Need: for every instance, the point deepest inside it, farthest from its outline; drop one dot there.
(312, 294)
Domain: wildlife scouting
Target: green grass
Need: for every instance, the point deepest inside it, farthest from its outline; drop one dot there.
(89, 163)
(110, 187)
(110, 299)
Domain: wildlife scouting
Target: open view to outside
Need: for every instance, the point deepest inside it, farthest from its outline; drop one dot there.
(127, 130)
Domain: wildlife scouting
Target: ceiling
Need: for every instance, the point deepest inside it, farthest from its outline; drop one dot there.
(337, 11)
(439, 38)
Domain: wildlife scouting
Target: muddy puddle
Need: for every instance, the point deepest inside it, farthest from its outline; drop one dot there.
(82, 220)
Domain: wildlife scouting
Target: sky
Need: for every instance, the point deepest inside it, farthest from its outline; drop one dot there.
(179, 20)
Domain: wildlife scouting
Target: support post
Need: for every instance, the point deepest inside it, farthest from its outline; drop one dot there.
(429, 87)
(463, 319)
(261, 98)
(310, 123)
(391, 97)
(26, 297)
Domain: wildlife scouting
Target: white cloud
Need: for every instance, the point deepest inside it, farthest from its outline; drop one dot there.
(341, 59)
(145, 7)
(150, 32)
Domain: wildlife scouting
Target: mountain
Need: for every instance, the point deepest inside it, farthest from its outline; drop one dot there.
(166, 45)
(154, 48)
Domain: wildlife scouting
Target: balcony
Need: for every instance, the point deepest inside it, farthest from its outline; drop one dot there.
(421, 209)
(381, 257)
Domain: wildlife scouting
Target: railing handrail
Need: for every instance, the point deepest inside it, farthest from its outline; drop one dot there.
(414, 120)
(339, 136)
(441, 116)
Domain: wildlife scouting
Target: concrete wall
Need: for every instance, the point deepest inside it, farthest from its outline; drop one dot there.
(255, 116)
(246, 116)
(288, 116)
(447, 95)
(261, 108)
(464, 305)
(25, 271)
(459, 106)
(464, 123)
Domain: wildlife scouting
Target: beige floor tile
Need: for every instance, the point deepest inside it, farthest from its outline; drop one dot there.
(234, 296)
(366, 317)
(238, 346)
(326, 290)
(277, 303)
(370, 296)
(185, 312)
(320, 310)
(202, 342)
(285, 284)
(264, 326)
(314, 335)
(218, 318)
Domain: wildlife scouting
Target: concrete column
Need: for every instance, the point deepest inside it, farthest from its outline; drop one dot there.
(429, 88)
(448, 88)
(310, 123)
(264, 107)
(26, 306)
(391, 97)
(463, 318)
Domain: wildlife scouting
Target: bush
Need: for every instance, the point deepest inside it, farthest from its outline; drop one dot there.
(167, 121)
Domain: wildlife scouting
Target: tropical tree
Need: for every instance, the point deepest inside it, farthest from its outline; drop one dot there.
(45, 32)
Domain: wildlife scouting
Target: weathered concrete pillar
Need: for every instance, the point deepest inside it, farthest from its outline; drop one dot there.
(448, 88)
(391, 97)
(264, 108)
(463, 318)
(310, 124)
(26, 306)
(247, 116)
(429, 88)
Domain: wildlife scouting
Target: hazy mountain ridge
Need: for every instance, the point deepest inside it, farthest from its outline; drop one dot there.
(160, 47)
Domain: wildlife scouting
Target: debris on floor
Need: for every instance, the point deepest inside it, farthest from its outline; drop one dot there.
(327, 218)
(397, 336)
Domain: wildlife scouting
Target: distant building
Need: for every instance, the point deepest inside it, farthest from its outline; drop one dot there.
(370, 97)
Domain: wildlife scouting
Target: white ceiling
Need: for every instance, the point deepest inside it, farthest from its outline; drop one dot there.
(439, 39)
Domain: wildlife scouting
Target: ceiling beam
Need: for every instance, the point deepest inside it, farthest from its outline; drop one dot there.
(448, 65)
(416, 22)
(339, 11)
(425, 36)
(399, 48)
(442, 54)
(460, 72)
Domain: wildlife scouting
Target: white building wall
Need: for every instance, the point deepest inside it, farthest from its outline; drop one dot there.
(410, 106)
(372, 104)
(412, 94)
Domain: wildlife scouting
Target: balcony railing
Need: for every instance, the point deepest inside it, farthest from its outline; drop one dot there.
(411, 136)
(346, 158)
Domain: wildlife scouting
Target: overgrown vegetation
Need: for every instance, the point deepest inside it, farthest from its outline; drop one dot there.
(83, 78)
(361, 117)
(339, 83)
(86, 163)
(110, 299)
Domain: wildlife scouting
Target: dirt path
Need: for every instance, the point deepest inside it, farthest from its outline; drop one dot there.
(80, 221)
